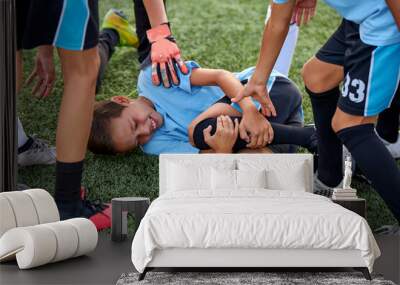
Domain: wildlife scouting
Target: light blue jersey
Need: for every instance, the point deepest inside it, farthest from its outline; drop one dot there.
(377, 25)
(179, 106)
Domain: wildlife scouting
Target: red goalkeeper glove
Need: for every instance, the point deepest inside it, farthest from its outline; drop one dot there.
(165, 57)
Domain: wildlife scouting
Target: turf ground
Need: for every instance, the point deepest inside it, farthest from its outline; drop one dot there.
(217, 34)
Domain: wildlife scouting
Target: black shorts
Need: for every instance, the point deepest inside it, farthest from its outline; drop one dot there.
(371, 73)
(67, 24)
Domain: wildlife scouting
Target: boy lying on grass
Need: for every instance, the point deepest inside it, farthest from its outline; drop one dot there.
(198, 116)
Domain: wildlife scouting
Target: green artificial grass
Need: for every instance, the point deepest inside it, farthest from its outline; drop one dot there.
(217, 34)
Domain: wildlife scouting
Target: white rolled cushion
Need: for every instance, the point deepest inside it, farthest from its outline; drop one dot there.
(45, 205)
(67, 240)
(23, 208)
(251, 178)
(223, 179)
(37, 245)
(87, 235)
(7, 218)
(33, 246)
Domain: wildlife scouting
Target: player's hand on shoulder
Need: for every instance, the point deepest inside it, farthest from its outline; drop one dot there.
(165, 57)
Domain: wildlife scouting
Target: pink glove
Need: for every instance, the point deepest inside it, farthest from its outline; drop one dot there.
(165, 56)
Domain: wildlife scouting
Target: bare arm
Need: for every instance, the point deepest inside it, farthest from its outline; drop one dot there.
(275, 32)
(156, 11)
(274, 36)
(394, 6)
(229, 84)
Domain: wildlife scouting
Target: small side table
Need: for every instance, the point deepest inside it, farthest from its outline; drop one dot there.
(120, 209)
(357, 205)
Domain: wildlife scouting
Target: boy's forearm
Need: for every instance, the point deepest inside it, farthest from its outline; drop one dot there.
(274, 36)
(394, 6)
(156, 11)
(231, 87)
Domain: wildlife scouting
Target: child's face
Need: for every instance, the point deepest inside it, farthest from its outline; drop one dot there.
(135, 126)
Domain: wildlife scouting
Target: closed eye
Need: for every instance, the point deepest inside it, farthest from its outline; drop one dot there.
(133, 131)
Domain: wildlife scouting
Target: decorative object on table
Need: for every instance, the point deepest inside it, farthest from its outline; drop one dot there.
(249, 278)
(346, 192)
(120, 209)
(31, 231)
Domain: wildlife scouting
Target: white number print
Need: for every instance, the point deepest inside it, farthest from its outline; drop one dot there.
(359, 87)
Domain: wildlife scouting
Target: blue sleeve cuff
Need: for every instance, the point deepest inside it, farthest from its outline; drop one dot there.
(280, 1)
(185, 78)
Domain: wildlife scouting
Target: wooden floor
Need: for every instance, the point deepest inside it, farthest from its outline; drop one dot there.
(106, 264)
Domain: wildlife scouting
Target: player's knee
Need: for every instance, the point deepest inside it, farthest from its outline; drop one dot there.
(311, 77)
(319, 76)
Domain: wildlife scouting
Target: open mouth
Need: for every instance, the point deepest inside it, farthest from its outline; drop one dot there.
(153, 124)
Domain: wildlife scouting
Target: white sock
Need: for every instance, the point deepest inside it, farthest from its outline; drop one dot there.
(22, 137)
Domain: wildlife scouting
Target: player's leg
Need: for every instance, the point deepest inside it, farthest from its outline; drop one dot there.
(288, 102)
(76, 39)
(108, 40)
(31, 150)
(388, 121)
(79, 70)
(116, 31)
(142, 25)
(371, 80)
(21, 15)
(283, 135)
(22, 137)
(322, 75)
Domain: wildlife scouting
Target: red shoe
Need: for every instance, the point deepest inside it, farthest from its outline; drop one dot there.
(96, 211)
